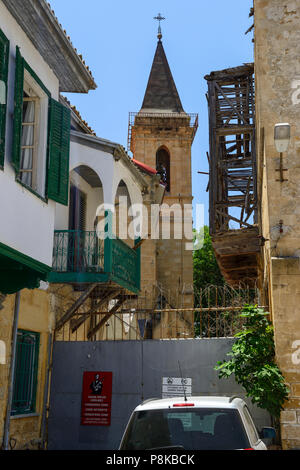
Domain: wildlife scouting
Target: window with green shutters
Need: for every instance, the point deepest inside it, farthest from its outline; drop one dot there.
(17, 129)
(4, 58)
(59, 152)
(26, 373)
(41, 138)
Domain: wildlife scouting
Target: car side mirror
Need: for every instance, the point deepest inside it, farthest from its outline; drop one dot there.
(268, 433)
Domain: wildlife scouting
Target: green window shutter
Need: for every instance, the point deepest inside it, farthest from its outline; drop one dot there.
(26, 372)
(4, 58)
(17, 129)
(59, 152)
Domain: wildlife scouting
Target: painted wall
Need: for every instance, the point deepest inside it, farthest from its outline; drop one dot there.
(27, 222)
(138, 368)
(111, 172)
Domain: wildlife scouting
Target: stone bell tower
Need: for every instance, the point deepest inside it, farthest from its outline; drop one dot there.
(161, 136)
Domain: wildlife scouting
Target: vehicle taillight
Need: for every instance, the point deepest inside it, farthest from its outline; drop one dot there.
(249, 448)
(183, 404)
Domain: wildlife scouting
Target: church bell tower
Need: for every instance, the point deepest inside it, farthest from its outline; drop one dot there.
(161, 136)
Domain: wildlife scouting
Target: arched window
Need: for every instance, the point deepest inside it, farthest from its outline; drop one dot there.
(163, 166)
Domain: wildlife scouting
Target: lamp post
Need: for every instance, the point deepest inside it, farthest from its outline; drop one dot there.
(282, 135)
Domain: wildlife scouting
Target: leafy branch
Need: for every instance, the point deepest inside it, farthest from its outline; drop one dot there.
(253, 362)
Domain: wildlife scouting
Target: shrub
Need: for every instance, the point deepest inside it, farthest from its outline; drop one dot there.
(253, 362)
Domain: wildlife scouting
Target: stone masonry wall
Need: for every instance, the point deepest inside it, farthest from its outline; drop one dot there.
(173, 263)
(277, 74)
(34, 315)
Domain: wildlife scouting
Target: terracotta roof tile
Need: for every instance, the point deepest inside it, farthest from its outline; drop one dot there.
(145, 167)
(77, 113)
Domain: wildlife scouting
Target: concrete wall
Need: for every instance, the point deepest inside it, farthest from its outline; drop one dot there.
(138, 368)
(277, 75)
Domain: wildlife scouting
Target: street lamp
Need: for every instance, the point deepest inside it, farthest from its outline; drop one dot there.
(282, 135)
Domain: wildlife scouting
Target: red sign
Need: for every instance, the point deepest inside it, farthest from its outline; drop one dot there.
(96, 398)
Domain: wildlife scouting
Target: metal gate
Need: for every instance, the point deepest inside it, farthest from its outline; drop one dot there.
(138, 366)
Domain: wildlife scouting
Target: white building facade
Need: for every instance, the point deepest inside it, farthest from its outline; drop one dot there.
(35, 130)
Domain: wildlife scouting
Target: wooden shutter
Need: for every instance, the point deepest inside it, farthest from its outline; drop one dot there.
(18, 109)
(77, 209)
(26, 372)
(4, 58)
(59, 152)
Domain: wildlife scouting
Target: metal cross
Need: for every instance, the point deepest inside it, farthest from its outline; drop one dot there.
(159, 18)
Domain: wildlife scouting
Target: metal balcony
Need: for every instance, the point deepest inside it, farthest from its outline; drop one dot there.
(81, 257)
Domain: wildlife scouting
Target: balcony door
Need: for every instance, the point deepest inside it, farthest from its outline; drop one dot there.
(77, 214)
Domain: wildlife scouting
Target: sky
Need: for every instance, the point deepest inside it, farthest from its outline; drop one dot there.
(117, 40)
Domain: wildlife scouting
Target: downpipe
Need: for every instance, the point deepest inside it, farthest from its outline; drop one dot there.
(12, 372)
(44, 429)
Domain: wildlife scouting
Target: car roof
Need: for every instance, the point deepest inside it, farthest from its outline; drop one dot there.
(198, 401)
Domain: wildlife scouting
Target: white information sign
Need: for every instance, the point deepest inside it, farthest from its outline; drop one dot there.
(176, 387)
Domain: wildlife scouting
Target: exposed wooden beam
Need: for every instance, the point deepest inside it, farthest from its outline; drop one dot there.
(230, 217)
(234, 129)
(113, 310)
(231, 104)
(75, 324)
(73, 309)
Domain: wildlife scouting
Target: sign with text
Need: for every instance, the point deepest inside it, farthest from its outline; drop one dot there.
(96, 399)
(176, 387)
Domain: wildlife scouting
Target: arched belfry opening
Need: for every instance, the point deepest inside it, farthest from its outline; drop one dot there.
(163, 166)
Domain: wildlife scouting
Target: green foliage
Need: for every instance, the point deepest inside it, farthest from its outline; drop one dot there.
(253, 362)
(206, 269)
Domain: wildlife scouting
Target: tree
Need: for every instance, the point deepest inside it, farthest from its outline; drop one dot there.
(206, 269)
(253, 362)
(206, 274)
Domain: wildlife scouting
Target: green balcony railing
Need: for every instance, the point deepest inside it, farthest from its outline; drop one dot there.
(77, 251)
(81, 256)
(123, 263)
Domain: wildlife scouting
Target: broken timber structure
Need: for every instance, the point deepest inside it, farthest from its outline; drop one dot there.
(232, 169)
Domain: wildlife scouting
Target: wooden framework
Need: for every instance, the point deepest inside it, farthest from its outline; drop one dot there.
(232, 163)
(215, 314)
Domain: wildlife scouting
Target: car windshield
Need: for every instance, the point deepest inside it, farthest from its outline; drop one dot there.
(197, 429)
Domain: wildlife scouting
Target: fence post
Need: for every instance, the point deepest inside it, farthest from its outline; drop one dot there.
(138, 264)
(108, 242)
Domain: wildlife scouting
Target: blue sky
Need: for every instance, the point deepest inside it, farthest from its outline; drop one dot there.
(117, 39)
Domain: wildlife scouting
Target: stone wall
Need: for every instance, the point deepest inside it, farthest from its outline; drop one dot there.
(168, 259)
(277, 74)
(34, 315)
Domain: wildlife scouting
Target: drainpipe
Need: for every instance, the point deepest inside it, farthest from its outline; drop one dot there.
(46, 394)
(12, 371)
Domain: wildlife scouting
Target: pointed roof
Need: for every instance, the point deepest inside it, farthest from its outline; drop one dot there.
(161, 93)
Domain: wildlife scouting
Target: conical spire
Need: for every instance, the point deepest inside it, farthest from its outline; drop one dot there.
(161, 93)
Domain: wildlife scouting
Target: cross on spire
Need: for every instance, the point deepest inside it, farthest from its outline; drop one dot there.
(159, 18)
